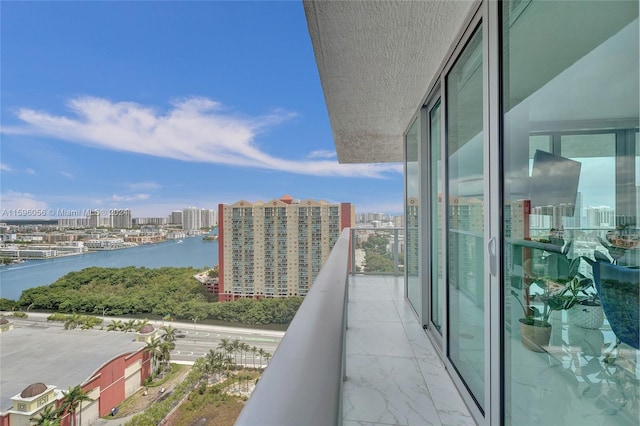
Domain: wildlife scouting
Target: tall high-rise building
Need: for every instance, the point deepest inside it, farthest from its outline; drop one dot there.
(276, 249)
(208, 218)
(121, 219)
(191, 219)
(94, 219)
(176, 217)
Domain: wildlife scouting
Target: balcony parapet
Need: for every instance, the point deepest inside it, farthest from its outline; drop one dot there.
(303, 383)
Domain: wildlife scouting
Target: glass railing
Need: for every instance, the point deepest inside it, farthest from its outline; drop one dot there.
(377, 251)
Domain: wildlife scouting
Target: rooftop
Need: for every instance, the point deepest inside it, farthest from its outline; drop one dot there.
(47, 353)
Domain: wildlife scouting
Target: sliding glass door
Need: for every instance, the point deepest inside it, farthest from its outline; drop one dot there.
(570, 201)
(465, 217)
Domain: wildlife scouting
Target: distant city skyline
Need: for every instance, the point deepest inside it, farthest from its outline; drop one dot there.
(157, 106)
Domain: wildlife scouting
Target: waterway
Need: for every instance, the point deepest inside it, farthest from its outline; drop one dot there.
(192, 252)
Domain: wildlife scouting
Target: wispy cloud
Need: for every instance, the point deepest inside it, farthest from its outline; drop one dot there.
(193, 129)
(322, 153)
(30, 171)
(134, 197)
(12, 200)
(67, 175)
(5, 167)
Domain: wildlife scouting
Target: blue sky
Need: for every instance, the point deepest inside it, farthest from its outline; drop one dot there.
(156, 106)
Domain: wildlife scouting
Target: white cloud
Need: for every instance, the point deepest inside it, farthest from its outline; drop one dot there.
(13, 200)
(135, 197)
(193, 129)
(30, 171)
(67, 175)
(322, 153)
(5, 167)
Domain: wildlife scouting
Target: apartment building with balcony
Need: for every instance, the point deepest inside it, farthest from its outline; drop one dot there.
(497, 110)
(276, 248)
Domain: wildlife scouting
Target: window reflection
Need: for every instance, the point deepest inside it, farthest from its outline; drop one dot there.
(571, 267)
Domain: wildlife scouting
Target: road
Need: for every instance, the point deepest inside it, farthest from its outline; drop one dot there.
(198, 338)
(197, 343)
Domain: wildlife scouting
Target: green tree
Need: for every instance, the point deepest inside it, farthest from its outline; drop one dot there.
(155, 352)
(262, 353)
(129, 326)
(49, 416)
(72, 402)
(254, 352)
(165, 352)
(140, 323)
(115, 325)
(235, 347)
(72, 321)
(169, 334)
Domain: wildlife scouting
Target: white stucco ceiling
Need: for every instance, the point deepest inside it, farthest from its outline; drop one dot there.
(376, 60)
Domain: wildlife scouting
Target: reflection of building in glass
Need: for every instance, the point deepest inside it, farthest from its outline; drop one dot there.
(277, 248)
(600, 217)
(412, 255)
(466, 242)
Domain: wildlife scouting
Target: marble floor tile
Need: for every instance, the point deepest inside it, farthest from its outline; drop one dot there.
(394, 374)
(373, 310)
(387, 390)
(377, 338)
(447, 400)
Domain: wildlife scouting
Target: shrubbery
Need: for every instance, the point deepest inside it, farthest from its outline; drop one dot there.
(131, 290)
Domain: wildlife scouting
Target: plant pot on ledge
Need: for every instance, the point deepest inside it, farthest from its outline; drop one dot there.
(535, 334)
(586, 315)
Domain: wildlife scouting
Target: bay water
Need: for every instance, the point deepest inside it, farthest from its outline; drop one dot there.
(192, 252)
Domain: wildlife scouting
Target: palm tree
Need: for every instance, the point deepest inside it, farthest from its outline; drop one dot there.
(72, 321)
(165, 352)
(245, 349)
(72, 401)
(115, 325)
(129, 325)
(140, 323)
(169, 334)
(254, 352)
(48, 417)
(267, 356)
(155, 352)
(235, 347)
(216, 362)
(227, 346)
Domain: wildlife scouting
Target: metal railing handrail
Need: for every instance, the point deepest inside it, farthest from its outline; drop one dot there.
(303, 383)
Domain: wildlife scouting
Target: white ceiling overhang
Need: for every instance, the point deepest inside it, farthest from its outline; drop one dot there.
(376, 60)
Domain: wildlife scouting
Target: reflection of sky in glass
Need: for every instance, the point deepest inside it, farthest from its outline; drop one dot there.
(597, 177)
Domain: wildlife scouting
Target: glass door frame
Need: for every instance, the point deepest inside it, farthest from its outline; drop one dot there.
(487, 14)
(427, 221)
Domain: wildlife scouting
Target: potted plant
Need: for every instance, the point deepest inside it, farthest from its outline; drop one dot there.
(583, 307)
(535, 328)
(545, 292)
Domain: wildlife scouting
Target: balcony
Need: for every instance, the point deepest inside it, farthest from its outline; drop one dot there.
(355, 354)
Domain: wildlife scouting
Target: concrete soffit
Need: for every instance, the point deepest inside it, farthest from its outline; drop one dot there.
(376, 61)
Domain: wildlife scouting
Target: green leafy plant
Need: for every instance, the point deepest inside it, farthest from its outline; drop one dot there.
(559, 287)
